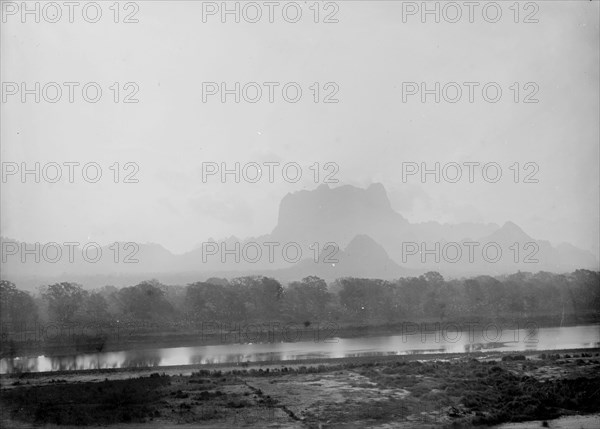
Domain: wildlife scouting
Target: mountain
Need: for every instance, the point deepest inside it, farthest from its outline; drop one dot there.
(363, 257)
(336, 215)
(339, 214)
(508, 233)
(54, 259)
(372, 240)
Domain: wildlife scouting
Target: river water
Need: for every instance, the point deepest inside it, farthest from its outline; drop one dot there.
(441, 341)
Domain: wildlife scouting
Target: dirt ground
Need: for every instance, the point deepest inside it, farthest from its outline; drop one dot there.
(570, 422)
(386, 393)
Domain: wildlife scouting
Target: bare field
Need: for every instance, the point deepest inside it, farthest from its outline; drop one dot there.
(391, 392)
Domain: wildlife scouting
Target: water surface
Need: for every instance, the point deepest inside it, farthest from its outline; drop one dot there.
(444, 341)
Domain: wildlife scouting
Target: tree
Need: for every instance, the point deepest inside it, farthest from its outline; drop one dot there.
(307, 299)
(16, 306)
(64, 300)
(367, 299)
(261, 296)
(433, 278)
(474, 296)
(145, 301)
(206, 301)
(432, 305)
(96, 307)
(414, 290)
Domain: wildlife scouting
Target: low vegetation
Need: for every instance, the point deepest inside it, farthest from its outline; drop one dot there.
(463, 392)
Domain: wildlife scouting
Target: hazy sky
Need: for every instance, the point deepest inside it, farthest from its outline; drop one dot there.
(369, 133)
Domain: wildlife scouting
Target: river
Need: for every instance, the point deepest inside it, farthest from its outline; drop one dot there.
(441, 341)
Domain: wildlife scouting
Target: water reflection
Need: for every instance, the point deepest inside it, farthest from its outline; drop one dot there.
(426, 342)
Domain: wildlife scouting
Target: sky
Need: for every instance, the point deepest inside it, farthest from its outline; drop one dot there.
(367, 135)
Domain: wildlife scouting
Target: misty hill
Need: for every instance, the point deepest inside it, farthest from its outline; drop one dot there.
(337, 215)
(363, 257)
(373, 241)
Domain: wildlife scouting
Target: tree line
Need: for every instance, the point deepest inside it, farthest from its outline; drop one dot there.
(358, 301)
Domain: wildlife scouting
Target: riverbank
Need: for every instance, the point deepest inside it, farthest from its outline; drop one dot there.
(415, 391)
